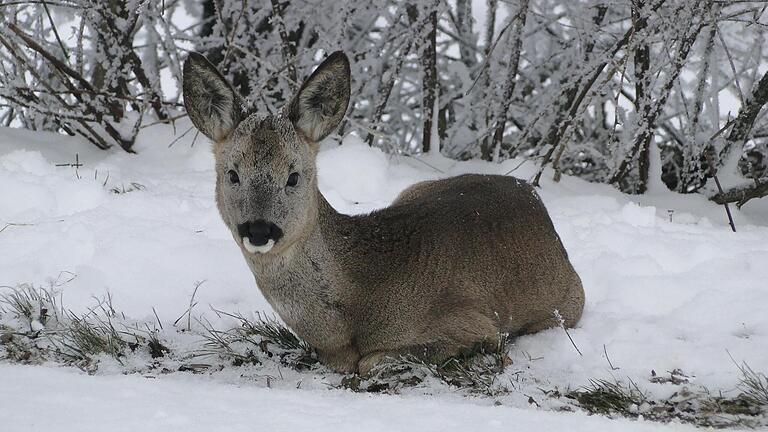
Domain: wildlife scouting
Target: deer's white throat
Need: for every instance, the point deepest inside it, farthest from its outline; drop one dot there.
(250, 247)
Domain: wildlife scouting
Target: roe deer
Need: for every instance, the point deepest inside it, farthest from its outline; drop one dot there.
(450, 264)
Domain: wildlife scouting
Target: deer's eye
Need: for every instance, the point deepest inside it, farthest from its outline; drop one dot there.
(293, 179)
(233, 177)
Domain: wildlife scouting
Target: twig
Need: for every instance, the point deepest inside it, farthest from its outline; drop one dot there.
(55, 30)
(175, 140)
(157, 318)
(75, 165)
(725, 204)
(164, 121)
(490, 51)
(11, 224)
(425, 163)
(516, 167)
(561, 322)
(609, 359)
(733, 67)
(285, 45)
(194, 138)
(231, 37)
(192, 304)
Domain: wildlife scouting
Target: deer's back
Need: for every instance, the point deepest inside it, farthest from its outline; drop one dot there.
(469, 247)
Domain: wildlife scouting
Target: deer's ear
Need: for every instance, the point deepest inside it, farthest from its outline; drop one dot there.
(211, 103)
(322, 100)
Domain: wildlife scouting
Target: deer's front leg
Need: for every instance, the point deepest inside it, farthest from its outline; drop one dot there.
(371, 360)
(343, 360)
(367, 363)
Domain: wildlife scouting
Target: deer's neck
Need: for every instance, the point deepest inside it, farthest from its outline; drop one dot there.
(305, 280)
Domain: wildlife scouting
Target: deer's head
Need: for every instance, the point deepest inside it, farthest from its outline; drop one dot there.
(266, 182)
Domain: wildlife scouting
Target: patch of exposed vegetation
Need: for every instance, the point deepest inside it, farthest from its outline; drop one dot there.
(689, 404)
(255, 339)
(754, 386)
(477, 370)
(35, 328)
(132, 187)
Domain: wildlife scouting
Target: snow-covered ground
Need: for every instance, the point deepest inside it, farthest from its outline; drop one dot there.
(63, 400)
(668, 286)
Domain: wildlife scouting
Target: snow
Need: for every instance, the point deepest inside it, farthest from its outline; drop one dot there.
(131, 403)
(668, 286)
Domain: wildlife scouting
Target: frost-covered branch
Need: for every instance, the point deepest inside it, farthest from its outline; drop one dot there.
(625, 92)
(740, 195)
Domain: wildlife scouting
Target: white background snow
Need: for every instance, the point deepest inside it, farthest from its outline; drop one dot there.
(668, 286)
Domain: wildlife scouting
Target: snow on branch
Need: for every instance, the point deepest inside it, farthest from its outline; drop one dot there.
(628, 92)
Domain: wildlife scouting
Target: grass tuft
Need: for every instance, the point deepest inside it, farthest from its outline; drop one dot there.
(754, 386)
(605, 397)
(255, 340)
(89, 337)
(35, 328)
(272, 330)
(690, 405)
(32, 308)
(133, 186)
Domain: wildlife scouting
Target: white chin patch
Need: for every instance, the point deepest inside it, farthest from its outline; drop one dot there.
(250, 247)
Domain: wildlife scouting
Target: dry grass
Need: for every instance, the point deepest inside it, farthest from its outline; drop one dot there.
(754, 386)
(607, 398)
(33, 308)
(255, 339)
(689, 404)
(37, 328)
(34, 327)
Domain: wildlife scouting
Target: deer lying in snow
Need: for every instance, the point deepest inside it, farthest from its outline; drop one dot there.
(450, 264)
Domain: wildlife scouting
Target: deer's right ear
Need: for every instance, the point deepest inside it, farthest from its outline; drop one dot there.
(211, 103)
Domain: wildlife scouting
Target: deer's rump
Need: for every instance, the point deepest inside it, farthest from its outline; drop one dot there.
(462, 257)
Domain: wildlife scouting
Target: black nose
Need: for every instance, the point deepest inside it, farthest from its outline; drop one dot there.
(259, 232)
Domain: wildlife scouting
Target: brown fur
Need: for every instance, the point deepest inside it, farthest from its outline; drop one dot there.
(449, 264)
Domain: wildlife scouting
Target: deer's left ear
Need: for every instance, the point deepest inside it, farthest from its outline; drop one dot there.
(322, 100)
